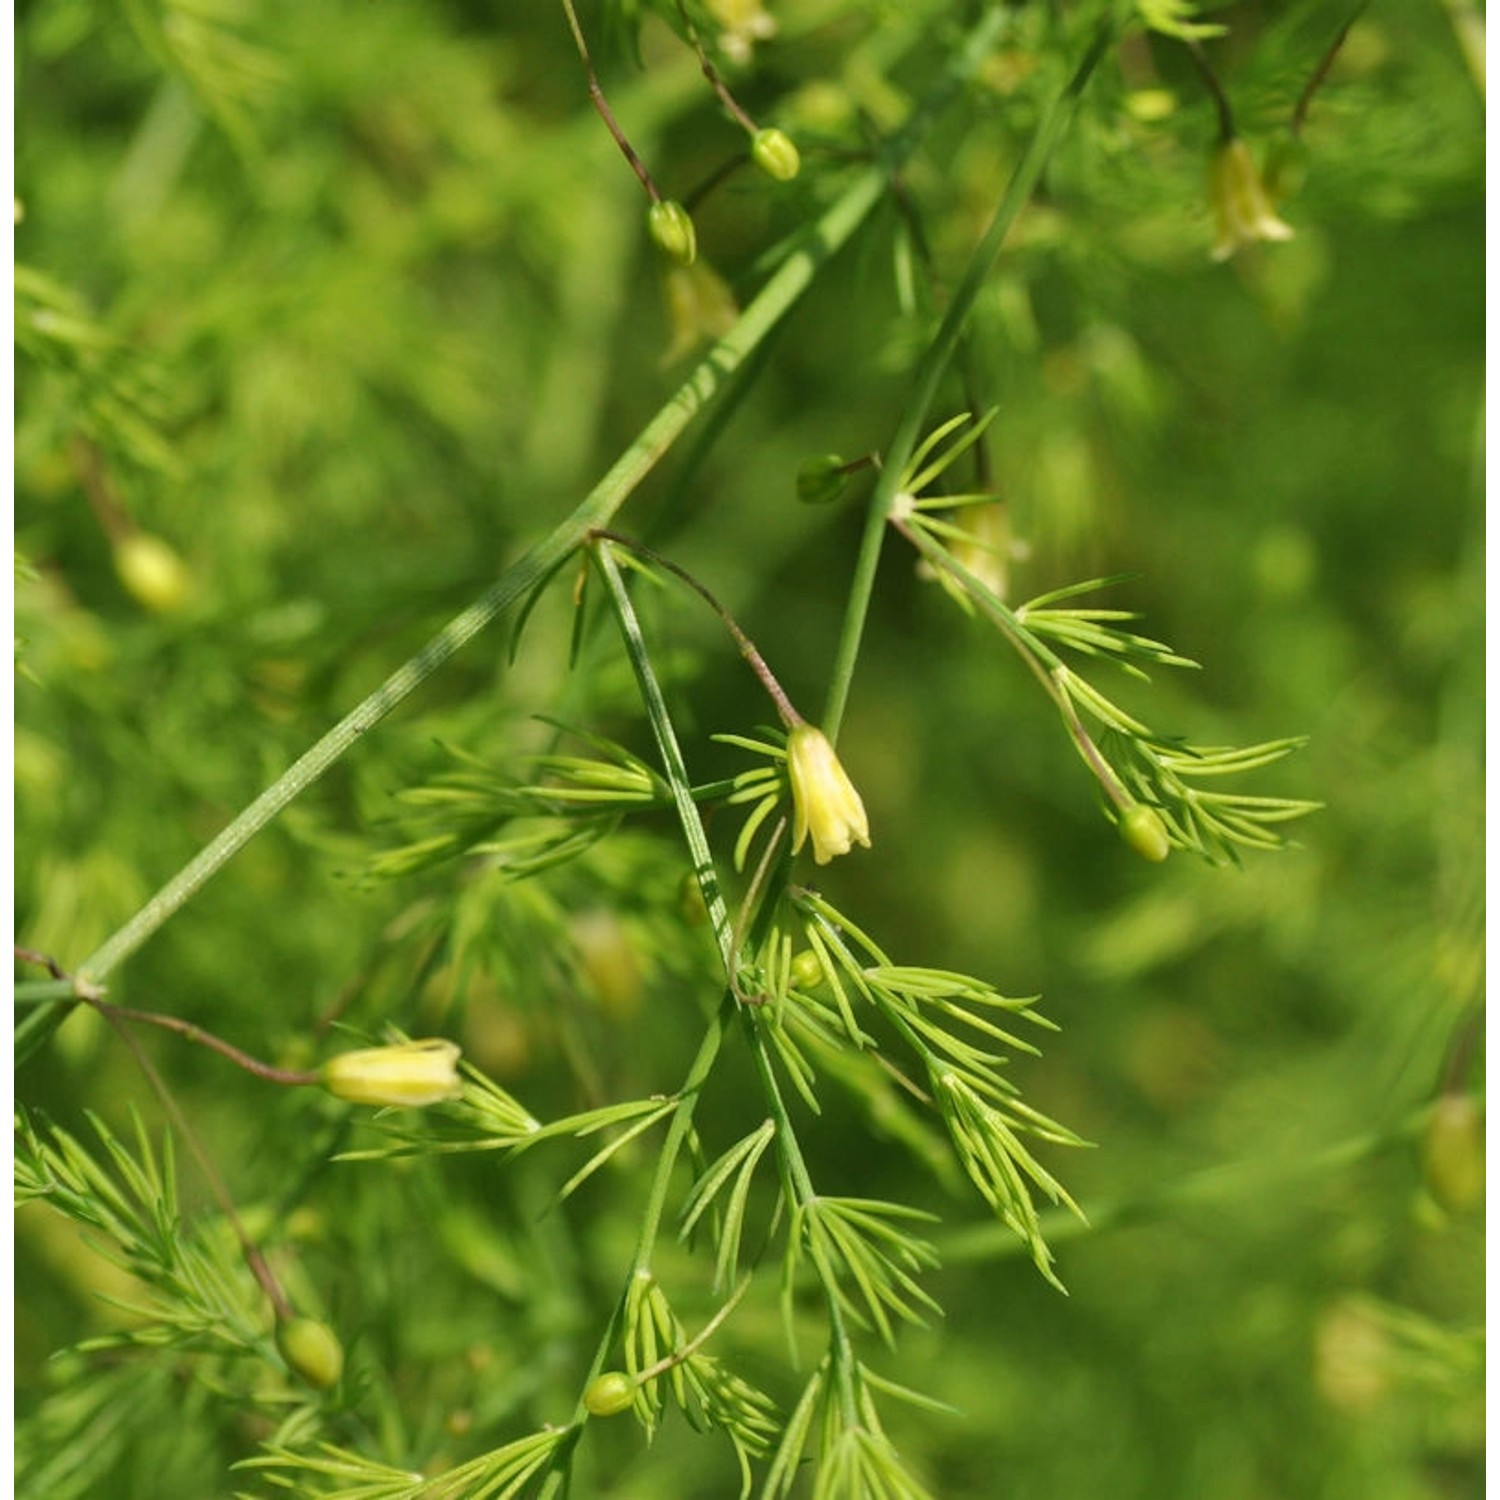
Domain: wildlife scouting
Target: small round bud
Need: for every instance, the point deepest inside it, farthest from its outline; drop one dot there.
(609, 1394)
(807, 971)
(311, 1350)
(1453, 1153)
(671, 227)
(153, 574)
(1142, 828)
(1150, 106)
(776, 154)
(821, 480)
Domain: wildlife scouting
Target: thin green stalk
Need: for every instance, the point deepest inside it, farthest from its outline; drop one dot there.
(651, 1217)
(935, 361)
(1043, 661)
(671, 753)
(797, 1179)
(708, 1050)
(40, 991)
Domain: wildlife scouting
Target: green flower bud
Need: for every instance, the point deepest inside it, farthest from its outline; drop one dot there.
(311, 1350)
(807, 971)
(671, 227)
(609, 1394)
(775, 154)
(821, 480)
(1453, 1153)
(1142, 828)
(153, 574)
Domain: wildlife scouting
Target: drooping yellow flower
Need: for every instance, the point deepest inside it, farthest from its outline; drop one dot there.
(1241, 204)
(409, 1074)
(824, 802)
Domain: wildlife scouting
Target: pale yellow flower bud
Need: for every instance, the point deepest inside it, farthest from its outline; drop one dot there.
(409, 1074)
(152, 572)
(1241, 205)
(824, 802)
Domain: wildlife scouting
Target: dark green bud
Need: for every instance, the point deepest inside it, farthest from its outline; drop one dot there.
(821, 480)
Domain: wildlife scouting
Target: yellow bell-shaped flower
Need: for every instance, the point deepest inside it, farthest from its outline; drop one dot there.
(1241, 204)
(824, 802)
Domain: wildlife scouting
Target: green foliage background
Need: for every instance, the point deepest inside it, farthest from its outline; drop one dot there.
(350, 302)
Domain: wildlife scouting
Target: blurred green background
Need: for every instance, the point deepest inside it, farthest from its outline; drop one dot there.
(348, 303)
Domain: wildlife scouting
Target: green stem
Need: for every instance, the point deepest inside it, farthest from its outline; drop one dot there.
(671, 754)
(39, 991)
(651, 1217)
(1215, 89)
(1044, 662)
(797, 1180)
(935, 361)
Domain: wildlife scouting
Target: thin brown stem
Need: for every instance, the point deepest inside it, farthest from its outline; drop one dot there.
(1320, 73)
(287, 1076)
(789, 715)
(262, 1272)
(711, 73)
(1210, 79)
(601, 104)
